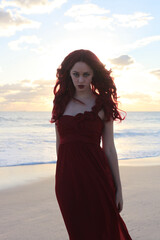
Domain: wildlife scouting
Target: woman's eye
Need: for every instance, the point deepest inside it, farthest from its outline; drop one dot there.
(86, 74)
(75, 74)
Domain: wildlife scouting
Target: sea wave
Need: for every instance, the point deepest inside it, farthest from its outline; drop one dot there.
(29, 138)
(26, 164)
(134, 134)
(53, 162)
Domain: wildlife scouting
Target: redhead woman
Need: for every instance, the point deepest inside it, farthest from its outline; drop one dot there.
(87, 182)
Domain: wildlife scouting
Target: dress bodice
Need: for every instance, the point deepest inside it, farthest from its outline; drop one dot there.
(86, 127)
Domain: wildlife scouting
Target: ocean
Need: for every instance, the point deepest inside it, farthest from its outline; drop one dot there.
(29, 138)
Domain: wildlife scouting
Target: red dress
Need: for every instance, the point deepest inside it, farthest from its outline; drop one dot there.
(84, 184)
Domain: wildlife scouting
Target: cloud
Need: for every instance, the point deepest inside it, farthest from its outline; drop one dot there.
(91, 16)
(17, 44)
(122, 61)
(89, 22)
(143, 42)
(136, 79)
(137, 101)
(7, 88)
(156, 73)
(43, 82)
(140, 97)
(27, 95)
(40, 50)
(138, 44)
(85, 9)
(25, 86)
(26, 81)
(12, 22)
(87, 16)
(36, 6)
(136, 20)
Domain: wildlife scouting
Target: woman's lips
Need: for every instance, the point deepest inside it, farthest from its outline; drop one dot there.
(81, 86)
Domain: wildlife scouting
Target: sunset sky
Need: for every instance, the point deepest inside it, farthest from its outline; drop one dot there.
(36, 35)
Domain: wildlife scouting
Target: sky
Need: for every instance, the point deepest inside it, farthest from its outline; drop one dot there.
(36, 35)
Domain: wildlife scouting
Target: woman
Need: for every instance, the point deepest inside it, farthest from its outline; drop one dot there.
(88, 186)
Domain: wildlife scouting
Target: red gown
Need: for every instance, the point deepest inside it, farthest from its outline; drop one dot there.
(84, 184)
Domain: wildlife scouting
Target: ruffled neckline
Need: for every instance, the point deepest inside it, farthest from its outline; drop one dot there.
(88, 115)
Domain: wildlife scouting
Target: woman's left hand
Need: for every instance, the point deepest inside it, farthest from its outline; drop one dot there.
(119, 200)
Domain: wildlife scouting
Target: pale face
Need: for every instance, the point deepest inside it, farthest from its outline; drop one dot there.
(81, 75)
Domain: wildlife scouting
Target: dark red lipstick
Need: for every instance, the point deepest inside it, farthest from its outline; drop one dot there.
(81, 86)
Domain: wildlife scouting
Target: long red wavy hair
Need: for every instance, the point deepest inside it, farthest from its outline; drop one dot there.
(102, 85)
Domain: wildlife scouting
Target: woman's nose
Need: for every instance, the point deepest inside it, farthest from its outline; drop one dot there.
(81, 79)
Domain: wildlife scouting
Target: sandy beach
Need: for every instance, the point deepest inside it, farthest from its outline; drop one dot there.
(29, 210)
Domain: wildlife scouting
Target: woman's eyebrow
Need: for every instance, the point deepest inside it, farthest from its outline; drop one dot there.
(74, 71)
(83, 72)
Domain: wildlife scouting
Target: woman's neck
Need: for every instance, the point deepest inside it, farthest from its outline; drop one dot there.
(83, 95)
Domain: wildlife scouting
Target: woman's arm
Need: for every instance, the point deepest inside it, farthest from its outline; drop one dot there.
(110, 151)
(57, 139)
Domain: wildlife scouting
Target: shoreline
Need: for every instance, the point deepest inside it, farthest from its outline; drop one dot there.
(13, 176)
(137, 162)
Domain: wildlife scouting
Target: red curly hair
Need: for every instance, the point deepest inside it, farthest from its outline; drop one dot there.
(102, 85)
